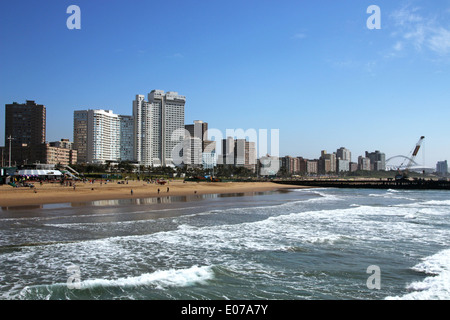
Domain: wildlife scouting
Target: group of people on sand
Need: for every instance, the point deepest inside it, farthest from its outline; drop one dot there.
(159, 190)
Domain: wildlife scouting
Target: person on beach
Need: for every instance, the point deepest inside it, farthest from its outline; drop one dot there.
(158, 190)
(167, 189)
(131, 191)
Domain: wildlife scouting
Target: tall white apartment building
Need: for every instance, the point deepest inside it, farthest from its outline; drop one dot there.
(141, 116)
(158, 127)
(97, 135)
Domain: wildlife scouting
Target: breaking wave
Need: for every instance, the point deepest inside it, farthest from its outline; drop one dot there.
(160, 279)
(436, 286)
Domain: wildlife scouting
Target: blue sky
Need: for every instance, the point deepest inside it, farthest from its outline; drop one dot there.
(311, 69)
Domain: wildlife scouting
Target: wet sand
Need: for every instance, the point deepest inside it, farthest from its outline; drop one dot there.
(55, 193)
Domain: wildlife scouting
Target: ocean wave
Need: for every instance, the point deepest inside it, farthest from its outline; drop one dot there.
(86, 225)
(432, 207)
(95, 215)
(293, 226)
(160, 279)
(437, 203)
(319, 194)
(434, 287)
(393, 194)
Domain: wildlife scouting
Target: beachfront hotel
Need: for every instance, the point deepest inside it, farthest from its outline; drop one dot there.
(156, 122)
(96, 135)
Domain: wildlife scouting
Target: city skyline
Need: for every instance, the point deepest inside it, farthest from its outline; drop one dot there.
(101, 136)
(314, 71)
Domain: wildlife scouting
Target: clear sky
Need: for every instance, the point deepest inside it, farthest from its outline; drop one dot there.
(311, 69)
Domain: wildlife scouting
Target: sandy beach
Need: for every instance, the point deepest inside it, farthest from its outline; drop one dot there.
(55, 193)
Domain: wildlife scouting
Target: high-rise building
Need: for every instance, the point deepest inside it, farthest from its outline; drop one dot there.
(364, 163)
(96, 136)
(312, 167)
(25, 126)
(327, 162)
(142, 133)
(126, 138)
(342, 165)
(80, 128)
(250, 156)
(196, 143)
(442, 168)
(158, 127)
(239, 153)
(377, 160)
(227, 151)
(344, 154)
(198, 130)
(291, 164)
(25, 123)
(343, 159)
(192, 152)
(302, 165)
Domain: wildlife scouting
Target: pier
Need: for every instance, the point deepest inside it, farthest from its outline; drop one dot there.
(417, 184)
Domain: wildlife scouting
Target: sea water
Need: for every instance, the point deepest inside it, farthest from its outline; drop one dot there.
(286, 245)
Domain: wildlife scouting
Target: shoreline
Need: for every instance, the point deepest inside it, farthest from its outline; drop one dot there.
(54, 193)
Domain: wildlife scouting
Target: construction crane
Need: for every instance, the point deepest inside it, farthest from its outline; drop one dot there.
(404, 175)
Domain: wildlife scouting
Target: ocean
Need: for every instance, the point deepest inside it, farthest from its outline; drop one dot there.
(307, 244)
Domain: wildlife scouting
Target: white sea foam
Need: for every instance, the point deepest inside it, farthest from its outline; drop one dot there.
(437, 203)
(392, 190)
(434, 287)
(271, 233)
(432, 207)
(85, 225)
(393, 194)
(377, 195)
(160, 279)
(321, 195)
